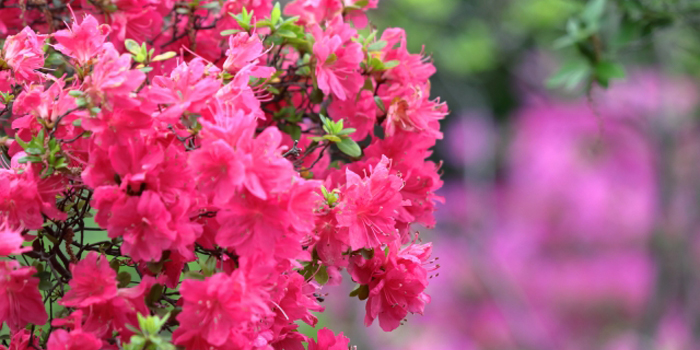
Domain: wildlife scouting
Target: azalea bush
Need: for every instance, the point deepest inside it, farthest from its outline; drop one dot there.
(191, 174)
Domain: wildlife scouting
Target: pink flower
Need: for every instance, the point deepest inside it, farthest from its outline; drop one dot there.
(143, 223)
(267, 172)
(368, 207)
(25, 197)
(411, 110)
(329, 341)
(11, 240)
(360, 114)
(396, 284)
(111, 126)
(216, 306)
(75, 340)
(21, 340)
(314, 11)
(337, 64)
(83, 41)
(188, 88)
(112, 78)
(219, 169)
(245, 50)
(113, 315)
(250, 224)
(93, 282)
(412, 69)
(20, 300)
(24, 53)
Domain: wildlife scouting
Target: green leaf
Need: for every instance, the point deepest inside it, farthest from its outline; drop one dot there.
(316, 96)
(391, 64)
(34, 150)
(44, 280)
(380, 103)
(196, 275)
(114, 264)
(164, 56)
(570, 75)
(286, 33)
(211, 6)
(346, 131)
(349, 147)
(132, 46)
(362, 292)
(146, 69)
(609, 70)
(276, 14)
(361, 3)
(322, 276)
(124, 278)
(377, 45)
(75, 93)
(332, 138)
(593, 11)
(230, 32)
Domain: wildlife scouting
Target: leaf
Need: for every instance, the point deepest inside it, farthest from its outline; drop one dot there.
(164, 56)
(286, 33)
(196, 275)
(380, 103)
(349, 147)
(609, 70)
(114, 264)
(333, 138)
(124, 278)
(322, 276)
(276, 13)
(391, 64)
(361, 291)
(570, 75)
(230, 32)
(44, 280)
(377, 45)
(211, 6)
(146, 69)
(346, 131)
(361, 3)
(132, 46)
(593, 11)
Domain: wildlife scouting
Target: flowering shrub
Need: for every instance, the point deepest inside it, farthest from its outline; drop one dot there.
(189, 174)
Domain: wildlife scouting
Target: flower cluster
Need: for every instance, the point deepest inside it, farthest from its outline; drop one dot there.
(203, 168)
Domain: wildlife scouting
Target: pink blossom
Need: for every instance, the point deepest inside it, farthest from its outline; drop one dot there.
(329, 341)
(24, 53)
(337, 64)
(11, 240)
(112, 78)
(20, 300)
(368, 207)
(142, 222)
(94, 282)
(411, 110)
(216, 306)
(314, 11)
(188, 88)
(62, 340)
(360, 114)
(83, 41)
(245, 50)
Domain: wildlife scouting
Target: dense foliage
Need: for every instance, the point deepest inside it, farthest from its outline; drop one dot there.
(189, 174)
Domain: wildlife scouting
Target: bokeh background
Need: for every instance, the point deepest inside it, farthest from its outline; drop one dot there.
(571, 216)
